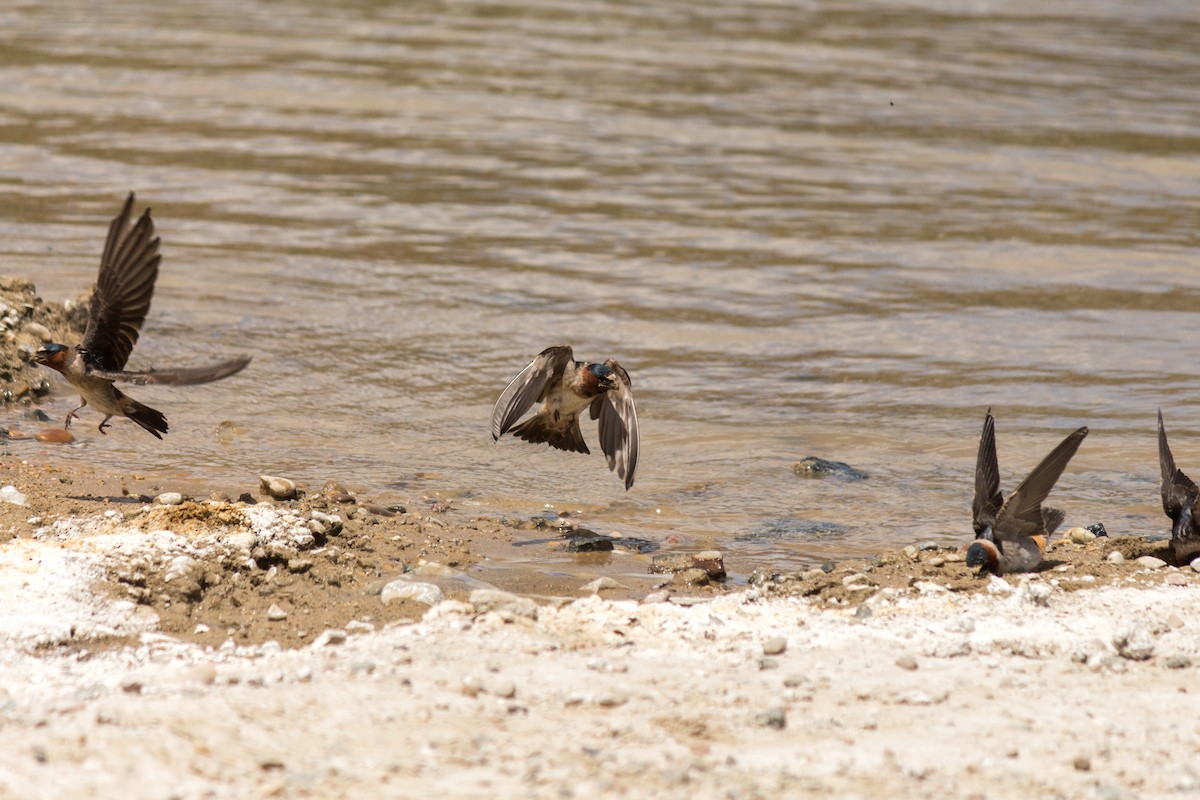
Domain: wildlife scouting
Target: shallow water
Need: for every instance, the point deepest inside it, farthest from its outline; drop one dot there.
(839, 230)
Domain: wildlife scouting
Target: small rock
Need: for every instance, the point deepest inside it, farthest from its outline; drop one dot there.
(775, 646)
(1177, 662)
(863, 611)
(911, 551)
(690, 577)
(38, 331)
(1196, 565)
(471, 686)
(670, 562)
(299, 565)
(359, 626)
(588, 542)
(1150, 562)
(927, 546)
(768, 663)
(169, 499)
(276, 614)
(10, 494)
(1082, 763)
(1176, 579)
(1115, 557)
(602, 583)
(1175, 621)
(502, 687)
(1078, 535)
(330, 636)
(54, 436)
(277, 488)
(486, 600)
(956, 557)
(813, 467)
(1134, 643)
(936, 561)
(712, 562)
(612, 699)
(1097, 529)
(773, 718)
(661, 596)
(204, 673)
(907, 663)
(402, 589)
(853, 578)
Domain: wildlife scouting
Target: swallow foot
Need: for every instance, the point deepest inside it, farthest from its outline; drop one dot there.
(104, 425)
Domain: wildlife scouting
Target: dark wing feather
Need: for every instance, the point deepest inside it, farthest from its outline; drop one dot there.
(1178, 490)
(527, 388)
(619, 437)
(123, 290)
(988, 499)
(176, 377)
(1021, 514)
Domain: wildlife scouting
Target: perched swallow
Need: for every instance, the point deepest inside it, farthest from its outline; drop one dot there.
(1011, 535)
(565, 387)
(120, 301)
(1179, 496)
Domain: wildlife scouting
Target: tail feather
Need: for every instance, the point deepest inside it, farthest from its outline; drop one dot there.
(537, 431)
(151, 419)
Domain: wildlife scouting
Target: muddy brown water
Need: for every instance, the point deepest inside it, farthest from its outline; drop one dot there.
(840, 230)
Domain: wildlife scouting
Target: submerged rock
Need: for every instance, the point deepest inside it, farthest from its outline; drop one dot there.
(813, 467)
(54, 436)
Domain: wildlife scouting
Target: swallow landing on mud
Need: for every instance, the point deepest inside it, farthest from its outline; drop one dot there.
(1010, 535)
(119, 304)
(1179, 496)
(565, 387)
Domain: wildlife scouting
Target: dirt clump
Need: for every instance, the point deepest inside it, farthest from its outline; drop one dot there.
(26, 323)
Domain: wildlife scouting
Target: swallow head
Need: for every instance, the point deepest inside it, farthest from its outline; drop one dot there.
(599, 378)
(52, 355)
(984, 556)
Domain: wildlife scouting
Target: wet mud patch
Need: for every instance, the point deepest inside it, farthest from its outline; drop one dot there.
(26, 323)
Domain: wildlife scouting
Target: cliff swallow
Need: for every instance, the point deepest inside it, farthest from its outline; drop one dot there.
(120, 301)
(1011, 535)
(565, 387)
(1179, 496)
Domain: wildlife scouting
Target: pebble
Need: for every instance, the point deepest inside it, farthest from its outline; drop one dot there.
(204, 673)
(1115, 557)
(486, 600)
(712, 562)
(768, 663)
(1196, 565)
(956, 557)
(359, 626)
(1134, 643)
(907, 663)
(54, 436)
(773, 718)
(169, 499)
(1150, 562)
(813, 467)
(470, 685)
(1082, 763)
(38, 330)
(863, 611)
(936, 561)
(927, 546)
(402, 589)
(9, 494)
(612, 699)
(1078, 535)
(277, 488)
(1177, 662)
(502, 687)
(775, 646)
(276, 614)
(911, 551)
(690, 577)
(330, 636)
(602, 583)
(661, 596)
(1176, 579)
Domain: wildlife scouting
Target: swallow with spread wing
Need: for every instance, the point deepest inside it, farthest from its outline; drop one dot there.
(1011, 535)
(119, 304)
(565, 387)
(1179, 497)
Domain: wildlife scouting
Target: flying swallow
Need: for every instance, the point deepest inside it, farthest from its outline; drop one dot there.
(1011, 535)
(565, 387)
(1179, 496)
(120, 301)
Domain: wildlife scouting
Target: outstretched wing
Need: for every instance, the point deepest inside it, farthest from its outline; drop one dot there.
(123, 290)
(1021, 514)
(176, 377)
(1178, 490)
(988, 499)
(619, 437)
(527, 388)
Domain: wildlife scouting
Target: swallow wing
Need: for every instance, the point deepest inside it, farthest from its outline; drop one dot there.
(619, 437)
(176, 377)
(1021, 514)
(1178, 490)
(528, 387)
(123, 290)
(988, 499)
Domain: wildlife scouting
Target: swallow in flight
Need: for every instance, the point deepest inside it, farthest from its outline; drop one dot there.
(565, 387)
(120, 301)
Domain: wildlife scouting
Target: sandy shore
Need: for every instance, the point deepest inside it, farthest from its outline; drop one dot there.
(122, 681)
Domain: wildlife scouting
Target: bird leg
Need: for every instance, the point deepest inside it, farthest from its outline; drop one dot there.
(72, 415)
(105, 424)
